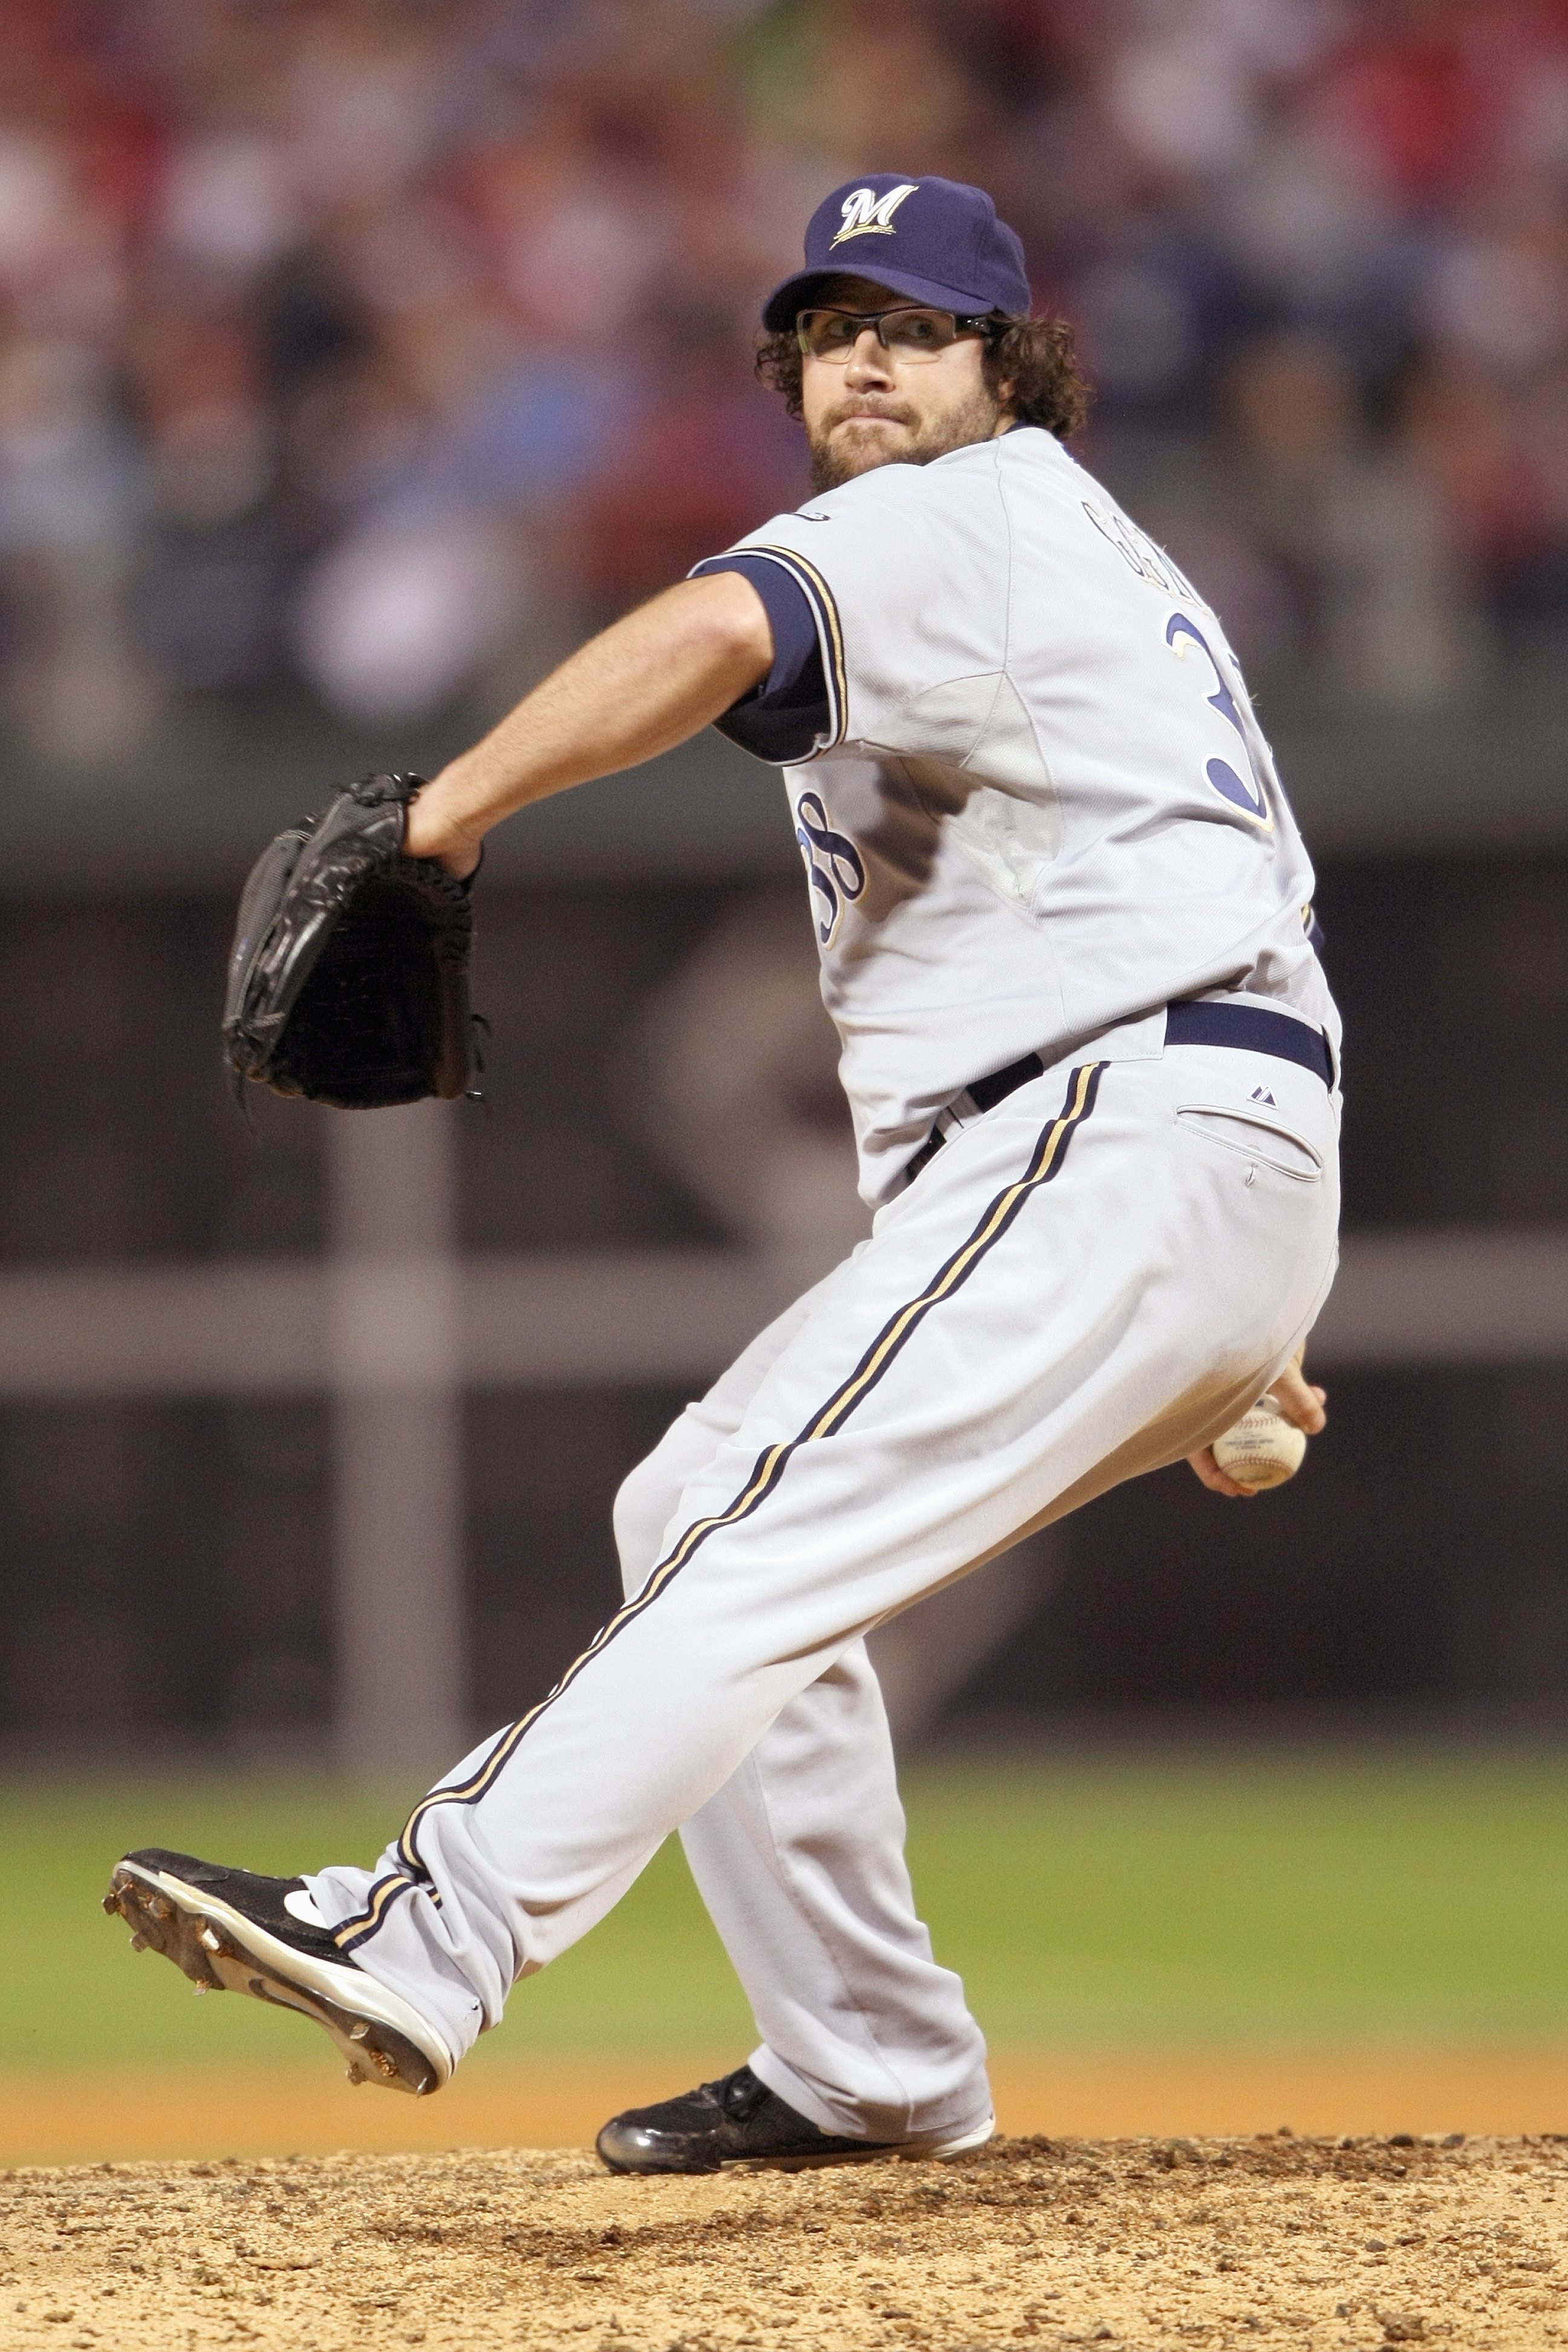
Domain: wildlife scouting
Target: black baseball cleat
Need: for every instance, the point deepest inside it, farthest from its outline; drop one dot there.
(738, 2120)
(232, 1930)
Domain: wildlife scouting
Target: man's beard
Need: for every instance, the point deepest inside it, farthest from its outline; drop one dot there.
(833, 463)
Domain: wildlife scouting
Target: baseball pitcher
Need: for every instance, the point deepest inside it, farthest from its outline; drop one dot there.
(1065, 922)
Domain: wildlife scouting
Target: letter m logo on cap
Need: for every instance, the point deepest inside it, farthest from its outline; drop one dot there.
(866, 213)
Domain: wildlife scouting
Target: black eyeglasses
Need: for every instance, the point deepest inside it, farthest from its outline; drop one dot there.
(911, 330)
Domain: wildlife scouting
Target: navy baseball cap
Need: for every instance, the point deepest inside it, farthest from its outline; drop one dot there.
(938, 241)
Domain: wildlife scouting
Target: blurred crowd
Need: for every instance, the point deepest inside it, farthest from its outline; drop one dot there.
(368, 352)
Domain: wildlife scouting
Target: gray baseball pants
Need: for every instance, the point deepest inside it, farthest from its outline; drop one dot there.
(1086, 1283)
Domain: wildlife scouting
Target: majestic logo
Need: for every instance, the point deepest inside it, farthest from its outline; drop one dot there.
(834, 866)
(866, 213)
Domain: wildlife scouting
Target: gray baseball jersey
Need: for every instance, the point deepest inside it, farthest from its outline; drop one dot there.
(1037, 801)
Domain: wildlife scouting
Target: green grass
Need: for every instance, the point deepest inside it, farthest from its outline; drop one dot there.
(1325, 1895)
(1166, 1897)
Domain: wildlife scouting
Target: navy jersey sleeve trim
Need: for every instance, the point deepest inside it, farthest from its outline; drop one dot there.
(796, 648)
(799, 708)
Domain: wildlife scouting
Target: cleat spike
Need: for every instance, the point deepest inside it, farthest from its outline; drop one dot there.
(210, 1938)
(138, 1942)
(161, 1907)
(358, 2033)
(112, 1902)
(354, 2077)
(198, 1988)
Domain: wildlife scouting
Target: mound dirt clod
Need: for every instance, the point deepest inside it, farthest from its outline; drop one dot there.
(1143, 2243)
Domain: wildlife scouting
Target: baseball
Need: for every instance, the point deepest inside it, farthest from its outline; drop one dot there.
(1264, 1449)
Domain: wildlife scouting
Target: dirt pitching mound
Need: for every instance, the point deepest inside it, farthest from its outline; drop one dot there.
(1134, 2242)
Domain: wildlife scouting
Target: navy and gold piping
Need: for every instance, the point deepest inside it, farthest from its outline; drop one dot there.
(829, 633)
(365, 1922)
(1044, 1162)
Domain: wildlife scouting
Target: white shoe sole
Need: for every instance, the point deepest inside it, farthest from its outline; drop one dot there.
(383, 2038)
(936, 2150)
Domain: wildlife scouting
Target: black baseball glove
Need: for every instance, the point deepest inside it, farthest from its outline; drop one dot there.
(348, 982)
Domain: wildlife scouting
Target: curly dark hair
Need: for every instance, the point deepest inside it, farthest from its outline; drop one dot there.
(1028, 363)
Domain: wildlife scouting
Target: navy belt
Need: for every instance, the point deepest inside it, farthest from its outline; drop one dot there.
(1250, 1028)
(1253, 1029)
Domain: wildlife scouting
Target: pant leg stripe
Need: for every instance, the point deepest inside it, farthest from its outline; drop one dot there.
(1083, 1088)
(365, 1922)
(764, 1478)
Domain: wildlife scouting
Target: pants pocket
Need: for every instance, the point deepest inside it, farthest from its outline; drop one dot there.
(1252, 1135)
